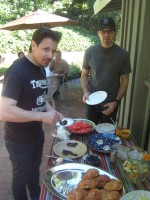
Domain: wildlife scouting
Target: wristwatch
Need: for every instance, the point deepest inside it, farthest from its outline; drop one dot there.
(117, 101)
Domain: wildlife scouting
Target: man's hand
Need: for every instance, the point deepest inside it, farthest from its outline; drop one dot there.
(86, 96)
(51, 117)
(110, 107)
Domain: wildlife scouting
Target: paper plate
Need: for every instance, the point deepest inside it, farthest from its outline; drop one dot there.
(80, 149)
(137, 195)
(96, 98)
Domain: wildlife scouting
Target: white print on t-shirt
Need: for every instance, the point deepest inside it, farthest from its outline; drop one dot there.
(39, 109)
(41, 99)
(40, 83)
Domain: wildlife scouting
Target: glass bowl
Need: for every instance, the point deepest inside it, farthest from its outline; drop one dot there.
(135, 168)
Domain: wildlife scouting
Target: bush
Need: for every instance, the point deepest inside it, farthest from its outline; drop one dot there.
(74, 72)
(2, 70)
(74, 38)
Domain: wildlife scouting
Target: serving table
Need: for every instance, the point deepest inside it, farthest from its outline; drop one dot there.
(105, 165)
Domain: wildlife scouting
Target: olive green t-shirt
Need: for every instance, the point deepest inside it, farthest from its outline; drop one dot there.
(106, 65)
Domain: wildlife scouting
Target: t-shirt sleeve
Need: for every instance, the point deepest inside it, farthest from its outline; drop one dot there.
(66, 67)
(13, 86)
(126, 65)
(85, 64)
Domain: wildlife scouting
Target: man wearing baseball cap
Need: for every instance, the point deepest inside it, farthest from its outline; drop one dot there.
(109, 66)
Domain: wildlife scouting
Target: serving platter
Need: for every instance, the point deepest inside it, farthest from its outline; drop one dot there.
(62, 179)
(102, 144)
(80, 149)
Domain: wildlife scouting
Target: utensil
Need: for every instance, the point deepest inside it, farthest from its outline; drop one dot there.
(58, 160)
(63, 122)
(112, 121)
(50, 156)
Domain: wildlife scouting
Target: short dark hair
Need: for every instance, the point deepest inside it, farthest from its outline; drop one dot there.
(43, 33)
(21, 52)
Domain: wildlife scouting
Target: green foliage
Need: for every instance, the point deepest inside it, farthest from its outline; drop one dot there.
(76, 39)
(2, 70)
(73, 39)
(74, 72)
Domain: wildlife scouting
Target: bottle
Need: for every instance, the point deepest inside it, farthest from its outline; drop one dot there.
(113, 158)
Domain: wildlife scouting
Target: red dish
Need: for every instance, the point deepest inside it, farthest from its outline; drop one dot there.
(80, 127)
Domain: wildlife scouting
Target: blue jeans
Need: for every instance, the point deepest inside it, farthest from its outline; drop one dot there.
(26, 160)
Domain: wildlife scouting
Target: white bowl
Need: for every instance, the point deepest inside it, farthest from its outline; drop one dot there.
(105, 128)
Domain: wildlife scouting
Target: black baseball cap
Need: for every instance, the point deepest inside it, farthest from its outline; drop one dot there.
(107, 23)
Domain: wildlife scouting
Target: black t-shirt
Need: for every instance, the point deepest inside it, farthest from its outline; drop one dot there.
(27, 84)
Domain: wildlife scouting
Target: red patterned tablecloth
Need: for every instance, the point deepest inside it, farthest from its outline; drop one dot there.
(105, 165)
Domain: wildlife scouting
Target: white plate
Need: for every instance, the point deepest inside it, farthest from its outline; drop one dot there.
(69, 122)
(105, 128)
(80, 149)
(137, 195)
(96, 98)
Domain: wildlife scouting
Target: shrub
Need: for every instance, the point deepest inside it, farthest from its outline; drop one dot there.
(74, 38)
(74, 72)
(2, 70)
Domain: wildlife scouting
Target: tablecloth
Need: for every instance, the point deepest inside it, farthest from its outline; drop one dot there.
(105, 165)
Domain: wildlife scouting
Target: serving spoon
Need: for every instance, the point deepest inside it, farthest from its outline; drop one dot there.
(58, 160)
(63, 122)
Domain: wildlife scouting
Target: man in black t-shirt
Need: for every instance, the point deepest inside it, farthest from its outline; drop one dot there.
(23, 107)
(109, 68)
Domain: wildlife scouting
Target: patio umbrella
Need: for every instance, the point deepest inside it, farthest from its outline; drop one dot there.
(37, 19)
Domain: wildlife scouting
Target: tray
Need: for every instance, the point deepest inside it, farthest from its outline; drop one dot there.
(62, 179)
